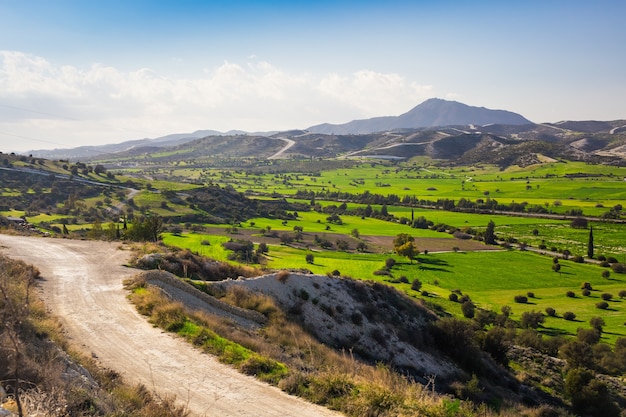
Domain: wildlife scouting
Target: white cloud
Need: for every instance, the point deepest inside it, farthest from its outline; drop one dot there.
(71, 106)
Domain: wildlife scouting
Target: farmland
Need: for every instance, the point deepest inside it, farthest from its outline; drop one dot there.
(342, 218)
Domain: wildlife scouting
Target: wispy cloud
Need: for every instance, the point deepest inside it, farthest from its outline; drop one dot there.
(102, 104)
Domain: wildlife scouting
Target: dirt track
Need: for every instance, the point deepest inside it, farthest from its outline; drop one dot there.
(83, 286)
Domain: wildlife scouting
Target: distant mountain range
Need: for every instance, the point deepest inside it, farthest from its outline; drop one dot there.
(440, 129)
(431, 113)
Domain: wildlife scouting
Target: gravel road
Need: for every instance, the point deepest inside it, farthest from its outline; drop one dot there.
(83, 287)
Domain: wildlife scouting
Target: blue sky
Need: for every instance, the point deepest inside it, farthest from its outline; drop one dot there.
(94, 72)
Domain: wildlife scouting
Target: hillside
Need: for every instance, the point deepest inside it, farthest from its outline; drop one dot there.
(443, 130)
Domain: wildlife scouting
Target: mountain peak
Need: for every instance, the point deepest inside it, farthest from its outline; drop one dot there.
(434, 112)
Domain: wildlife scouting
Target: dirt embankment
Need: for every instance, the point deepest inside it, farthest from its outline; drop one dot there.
(83, 286)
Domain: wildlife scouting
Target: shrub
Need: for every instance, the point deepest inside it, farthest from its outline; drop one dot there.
(530, 294)
(568, 315)
(611, 260)
(602, 305)
(586, 286)
(416, 285)
(606, 274)
(468, 309)
(601, 258)
(310, 259)
(282, 276)
(622, 294)
(570, 294)
(578, 259)
(390, 262)
(531, 319)
(522, 299)
(606, 296)
(550, 311)
(335, 273)
(618, 268)
(453, 297)
(403, 279)
(586, 293)
(356, 318)
(597, 323)
(588, 336)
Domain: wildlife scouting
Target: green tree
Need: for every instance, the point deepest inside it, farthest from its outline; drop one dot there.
(490, 235)
(310, 259)
(589, 396)
(408, 250)
(402, 238)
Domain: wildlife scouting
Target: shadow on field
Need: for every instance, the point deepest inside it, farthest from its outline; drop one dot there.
(430, 264)
(551, 331)
(433, 261)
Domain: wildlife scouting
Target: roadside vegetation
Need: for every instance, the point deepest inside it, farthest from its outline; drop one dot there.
(42, 374)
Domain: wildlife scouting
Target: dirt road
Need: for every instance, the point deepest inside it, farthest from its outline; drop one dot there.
(83, 286)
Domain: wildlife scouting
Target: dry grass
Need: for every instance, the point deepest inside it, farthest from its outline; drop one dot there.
(335, 379)
(45, 389)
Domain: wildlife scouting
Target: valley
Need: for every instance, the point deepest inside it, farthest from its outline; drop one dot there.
(505, 238)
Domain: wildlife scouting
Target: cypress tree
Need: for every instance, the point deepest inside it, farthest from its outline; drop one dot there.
(490, 235)
(590, 244)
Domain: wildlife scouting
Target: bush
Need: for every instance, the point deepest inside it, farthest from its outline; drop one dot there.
(416, 285)
(570, 294)
(622, 294)
(618, 268)
(578, 259)
(606, 274)
(586, 286)
(606, 296)
(403, 279)
(310, 259)
(602, 305)
(468, 309)
(550, 311)
(282, 276)
(586, 293)
(453, 297)
(531, 319)
(568, 315)
(530, 294)
(522, 299)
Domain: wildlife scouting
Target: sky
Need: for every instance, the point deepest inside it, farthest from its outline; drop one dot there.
(76, 72)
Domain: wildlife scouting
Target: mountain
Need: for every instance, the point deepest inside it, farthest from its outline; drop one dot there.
(90, 151)
(84, 152)
(431, 113)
